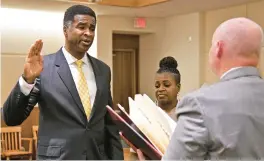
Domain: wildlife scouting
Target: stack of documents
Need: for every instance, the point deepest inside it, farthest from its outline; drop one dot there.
(147, 126)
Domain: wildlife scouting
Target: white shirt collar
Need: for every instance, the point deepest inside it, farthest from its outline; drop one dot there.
(71, 59)
(229, 71)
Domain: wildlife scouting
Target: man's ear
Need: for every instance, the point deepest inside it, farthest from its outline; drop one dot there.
(219, 50)
(65, 30)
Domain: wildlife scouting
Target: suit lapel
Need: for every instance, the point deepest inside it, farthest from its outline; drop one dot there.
(66, 76)
(99, 83)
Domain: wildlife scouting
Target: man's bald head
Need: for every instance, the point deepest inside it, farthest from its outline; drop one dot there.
(236, 42)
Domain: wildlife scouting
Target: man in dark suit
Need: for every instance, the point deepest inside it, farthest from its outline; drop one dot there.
(72, 90)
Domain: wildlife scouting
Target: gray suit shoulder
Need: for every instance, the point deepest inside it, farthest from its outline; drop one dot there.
(49, 59)
(189, 102)
(199, 97)
(194, 95)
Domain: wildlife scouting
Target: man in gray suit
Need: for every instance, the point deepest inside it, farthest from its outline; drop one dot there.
(225, 120)
(72, 90)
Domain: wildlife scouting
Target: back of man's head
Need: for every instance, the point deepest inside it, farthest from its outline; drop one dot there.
(236, 43)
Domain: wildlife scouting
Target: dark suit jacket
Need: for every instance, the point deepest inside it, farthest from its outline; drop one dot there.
(64, 131)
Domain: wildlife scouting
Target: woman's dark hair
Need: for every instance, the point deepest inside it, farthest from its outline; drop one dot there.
(169, 64)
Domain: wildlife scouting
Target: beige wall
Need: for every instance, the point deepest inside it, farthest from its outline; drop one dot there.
(150, 44)
(11, 68)
(261, 64)
(172, 40)
(161, 37)
(213, 18)
(17, 36)
(192, 55)
(30, 25)
(182, 40)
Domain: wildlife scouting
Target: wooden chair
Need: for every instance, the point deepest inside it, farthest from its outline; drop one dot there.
(2, 149)
(12, 143)
(35, 135)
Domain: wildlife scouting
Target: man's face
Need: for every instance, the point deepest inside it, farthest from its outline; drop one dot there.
(80, 33)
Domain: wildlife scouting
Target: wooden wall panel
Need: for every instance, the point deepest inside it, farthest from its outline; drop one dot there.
(124, 41)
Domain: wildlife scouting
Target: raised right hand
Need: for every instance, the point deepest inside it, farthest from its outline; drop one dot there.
(34, 62)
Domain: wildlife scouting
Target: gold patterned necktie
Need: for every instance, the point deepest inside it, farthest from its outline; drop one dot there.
(83, 89)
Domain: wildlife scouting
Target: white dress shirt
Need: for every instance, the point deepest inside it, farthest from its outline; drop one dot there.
(86, 67)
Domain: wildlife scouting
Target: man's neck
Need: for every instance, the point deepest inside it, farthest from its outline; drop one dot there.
(77, 55)
(238, 63)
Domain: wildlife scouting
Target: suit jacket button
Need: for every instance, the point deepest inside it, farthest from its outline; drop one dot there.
(84, 152)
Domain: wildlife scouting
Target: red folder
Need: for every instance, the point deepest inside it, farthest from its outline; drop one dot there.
(126, 117)
(140, 155)
(134, 135)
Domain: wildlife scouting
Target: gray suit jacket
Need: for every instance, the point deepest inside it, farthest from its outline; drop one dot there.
(221, 121)
(64, 131)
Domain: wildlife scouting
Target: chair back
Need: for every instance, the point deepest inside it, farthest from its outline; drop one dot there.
(35, 135)
(11, 138)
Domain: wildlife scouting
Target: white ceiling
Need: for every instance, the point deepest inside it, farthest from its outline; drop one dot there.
(170, 8)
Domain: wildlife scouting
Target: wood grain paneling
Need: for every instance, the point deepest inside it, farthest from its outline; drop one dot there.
(124, 41)
(125, 68)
